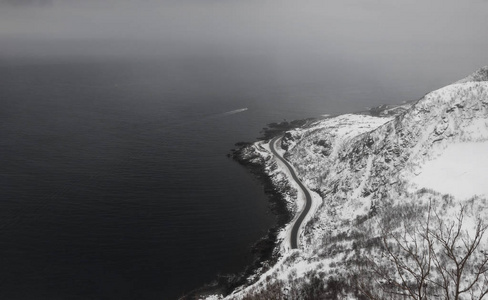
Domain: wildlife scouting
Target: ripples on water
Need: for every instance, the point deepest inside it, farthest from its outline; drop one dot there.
(114, 180)
(115, 185)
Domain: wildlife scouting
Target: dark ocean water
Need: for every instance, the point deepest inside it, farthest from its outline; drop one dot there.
(114, 179)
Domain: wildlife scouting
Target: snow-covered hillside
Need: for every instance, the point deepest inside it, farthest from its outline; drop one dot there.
(394, 189)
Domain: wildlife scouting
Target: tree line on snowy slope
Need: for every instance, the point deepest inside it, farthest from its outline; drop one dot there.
(418, 253)
(430, 258)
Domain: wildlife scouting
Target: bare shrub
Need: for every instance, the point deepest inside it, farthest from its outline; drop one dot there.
(428, 256)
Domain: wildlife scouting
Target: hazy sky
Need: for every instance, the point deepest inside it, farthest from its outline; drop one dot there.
(284, 22)
(383, 30)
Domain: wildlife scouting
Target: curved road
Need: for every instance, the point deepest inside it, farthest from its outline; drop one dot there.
(308, 203)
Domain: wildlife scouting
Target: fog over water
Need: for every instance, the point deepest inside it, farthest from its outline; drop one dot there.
(392, 38)
(116, 115)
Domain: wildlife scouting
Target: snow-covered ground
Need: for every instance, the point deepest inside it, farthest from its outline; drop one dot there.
(369, 174)
(460, 171)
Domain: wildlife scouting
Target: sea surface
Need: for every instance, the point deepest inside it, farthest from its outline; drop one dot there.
(114, 180)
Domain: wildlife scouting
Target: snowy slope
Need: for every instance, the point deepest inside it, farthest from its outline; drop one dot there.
(374, 173)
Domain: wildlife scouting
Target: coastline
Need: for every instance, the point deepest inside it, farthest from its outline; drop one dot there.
(266, 251)
(366, 129)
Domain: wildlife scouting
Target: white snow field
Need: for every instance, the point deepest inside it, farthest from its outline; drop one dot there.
(460, 171)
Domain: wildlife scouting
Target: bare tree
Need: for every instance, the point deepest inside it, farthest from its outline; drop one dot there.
(413, 261)
(461, 266)
(429, 257)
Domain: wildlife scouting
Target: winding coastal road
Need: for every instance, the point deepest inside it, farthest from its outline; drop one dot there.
(308, 197)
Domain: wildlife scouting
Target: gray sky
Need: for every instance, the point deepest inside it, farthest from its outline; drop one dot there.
(352, 29)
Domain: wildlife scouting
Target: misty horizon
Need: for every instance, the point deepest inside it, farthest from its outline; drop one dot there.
(397, 40)
(287, 29)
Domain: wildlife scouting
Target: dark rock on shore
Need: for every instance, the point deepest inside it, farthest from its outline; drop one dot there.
(275, 129)
(263, 250)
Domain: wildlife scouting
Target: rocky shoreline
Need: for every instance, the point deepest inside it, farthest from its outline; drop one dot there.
(360, 162)
(265, 249)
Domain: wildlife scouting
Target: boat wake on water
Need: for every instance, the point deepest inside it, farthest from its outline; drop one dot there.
(233, 112)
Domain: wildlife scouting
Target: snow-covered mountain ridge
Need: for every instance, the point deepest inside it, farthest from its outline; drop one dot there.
(364, 169)
(402, 179)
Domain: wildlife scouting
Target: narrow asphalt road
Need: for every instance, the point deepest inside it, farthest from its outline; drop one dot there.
(308, 203)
